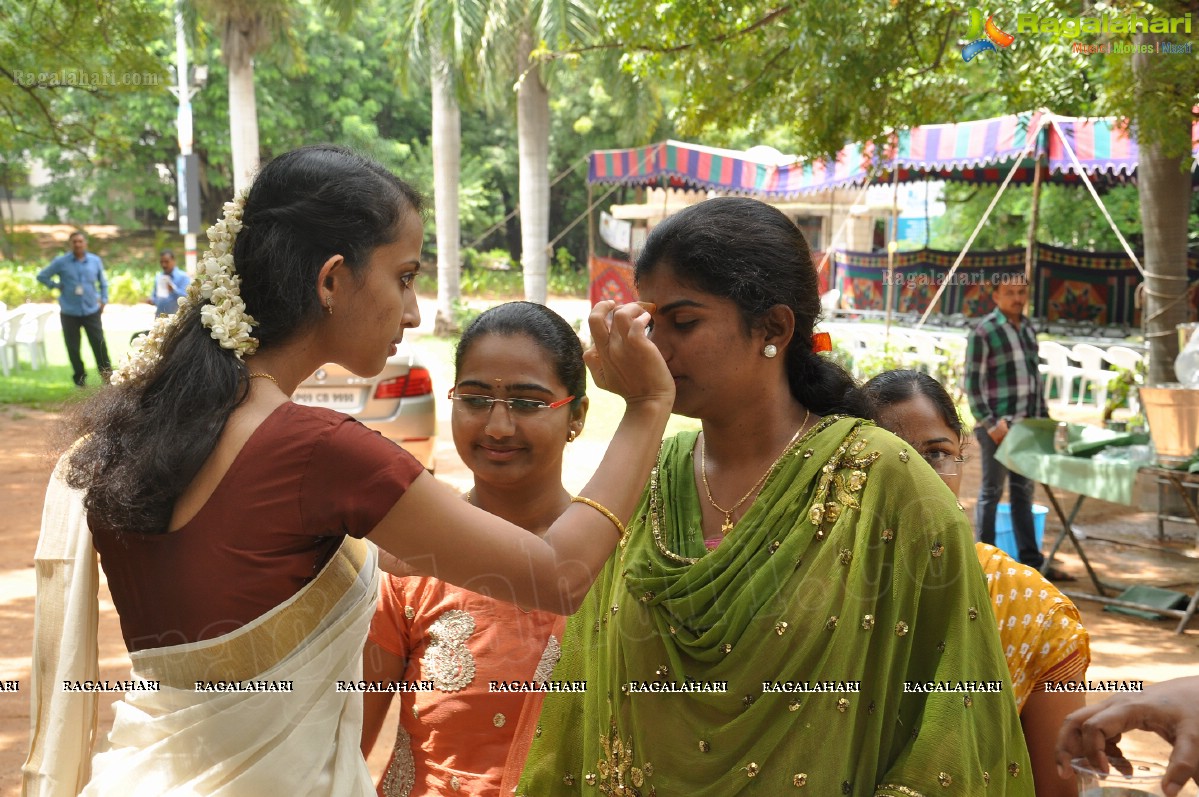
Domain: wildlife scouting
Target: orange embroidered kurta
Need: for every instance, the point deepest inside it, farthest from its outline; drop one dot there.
(475, 655)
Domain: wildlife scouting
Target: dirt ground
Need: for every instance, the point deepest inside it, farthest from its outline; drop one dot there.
(1122, 647)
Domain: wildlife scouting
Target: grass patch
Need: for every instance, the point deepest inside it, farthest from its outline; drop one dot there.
(45, 389)
(49, 387)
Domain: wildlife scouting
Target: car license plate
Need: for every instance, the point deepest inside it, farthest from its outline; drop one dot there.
(334, 399)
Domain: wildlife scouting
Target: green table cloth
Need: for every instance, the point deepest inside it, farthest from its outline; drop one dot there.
(1028, 450)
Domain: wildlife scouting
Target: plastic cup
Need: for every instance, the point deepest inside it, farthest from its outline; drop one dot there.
(1126, 778)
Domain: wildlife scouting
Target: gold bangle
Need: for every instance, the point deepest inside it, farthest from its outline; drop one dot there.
(603, 510)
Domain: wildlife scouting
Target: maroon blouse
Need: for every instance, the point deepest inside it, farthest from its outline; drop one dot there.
(304, 479)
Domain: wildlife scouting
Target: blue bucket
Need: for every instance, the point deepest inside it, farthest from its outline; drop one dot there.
(1005, 538)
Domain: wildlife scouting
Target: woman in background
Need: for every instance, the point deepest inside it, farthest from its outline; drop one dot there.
(519, 398)
(1041, 630)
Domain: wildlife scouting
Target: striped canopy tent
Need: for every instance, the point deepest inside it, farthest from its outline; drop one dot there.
(982, 151)
(691, 166)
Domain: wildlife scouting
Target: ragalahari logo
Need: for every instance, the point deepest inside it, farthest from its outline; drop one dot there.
(984, 37)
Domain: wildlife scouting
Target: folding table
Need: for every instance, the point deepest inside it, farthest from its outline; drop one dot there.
(1028, 450)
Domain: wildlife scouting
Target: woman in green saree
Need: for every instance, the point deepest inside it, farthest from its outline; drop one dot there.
(796, 605)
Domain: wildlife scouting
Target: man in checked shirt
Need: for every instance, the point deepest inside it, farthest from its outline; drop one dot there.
(1003, 384)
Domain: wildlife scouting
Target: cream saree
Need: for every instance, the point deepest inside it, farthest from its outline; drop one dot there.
(837, 642)
(253, 712)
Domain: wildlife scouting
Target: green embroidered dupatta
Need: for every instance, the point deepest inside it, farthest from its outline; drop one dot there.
(854, 568)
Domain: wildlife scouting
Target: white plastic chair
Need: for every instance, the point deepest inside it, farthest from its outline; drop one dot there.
(952, 346)
(32, 334)
(1123, 357)
(923, 354)
(10, 323)
(1057, 368)
(1094, 375)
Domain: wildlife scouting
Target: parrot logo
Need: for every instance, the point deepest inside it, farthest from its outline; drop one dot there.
(982, 36)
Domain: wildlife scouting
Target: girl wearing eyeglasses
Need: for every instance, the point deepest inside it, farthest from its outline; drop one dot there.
(1041, 630)
(469, 659)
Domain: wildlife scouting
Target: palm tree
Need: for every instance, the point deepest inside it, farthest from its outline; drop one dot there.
(245, 27)
(443, 42)
(516, 31)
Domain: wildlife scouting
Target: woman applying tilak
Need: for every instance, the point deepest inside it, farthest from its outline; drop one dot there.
(229, 521)
(789, 543)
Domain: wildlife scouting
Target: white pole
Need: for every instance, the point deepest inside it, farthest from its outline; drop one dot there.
(183, 92)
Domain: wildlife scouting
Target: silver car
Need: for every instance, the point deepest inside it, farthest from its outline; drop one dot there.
(398, 403)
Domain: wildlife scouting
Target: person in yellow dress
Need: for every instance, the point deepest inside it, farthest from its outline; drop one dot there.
(1041, 630)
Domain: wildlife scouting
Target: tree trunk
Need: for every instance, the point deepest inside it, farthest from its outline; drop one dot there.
(243, 111)
(447, 151)
(1165, 191)
(6, 247)
(533, 137)
(1164, 188)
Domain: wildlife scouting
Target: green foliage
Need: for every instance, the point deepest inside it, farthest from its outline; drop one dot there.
(1068, 217)
(596, 105)
(565, 277)
(492, 283)
(23, 245)
(1120, 391)
(18, 284)
(55, 53)
(464, 315)
(126, 288)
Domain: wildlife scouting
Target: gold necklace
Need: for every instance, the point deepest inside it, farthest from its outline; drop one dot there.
(258, 375)
(727, 525)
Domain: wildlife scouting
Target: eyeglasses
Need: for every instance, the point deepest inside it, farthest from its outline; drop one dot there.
(473, 402)
(944, 463)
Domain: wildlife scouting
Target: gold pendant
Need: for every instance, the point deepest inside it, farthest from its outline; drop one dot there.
(727, 525)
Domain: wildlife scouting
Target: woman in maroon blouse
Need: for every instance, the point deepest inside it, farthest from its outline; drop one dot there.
(229, 520)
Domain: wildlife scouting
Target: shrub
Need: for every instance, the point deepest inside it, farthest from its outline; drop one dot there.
(126, 288)
(18, 284)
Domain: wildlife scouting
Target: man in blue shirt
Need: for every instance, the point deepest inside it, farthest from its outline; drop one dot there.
(79, 278)
(169, 286)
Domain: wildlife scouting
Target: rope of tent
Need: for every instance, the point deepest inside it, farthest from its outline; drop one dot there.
(550, 246)
(1032, 140)
(1095, 194)
(516, 209)
(1051, 119)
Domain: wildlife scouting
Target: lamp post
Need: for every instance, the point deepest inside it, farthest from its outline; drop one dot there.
(187, 164)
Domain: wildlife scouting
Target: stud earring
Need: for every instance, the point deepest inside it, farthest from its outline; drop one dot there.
(571, 435)
(769, 350)
(329, 305)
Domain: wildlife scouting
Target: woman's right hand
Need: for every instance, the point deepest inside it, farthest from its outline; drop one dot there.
(1170, 709)
(622, 359)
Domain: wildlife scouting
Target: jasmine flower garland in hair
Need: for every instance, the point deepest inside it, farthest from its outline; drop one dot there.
(225, 316)
(216, 283)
